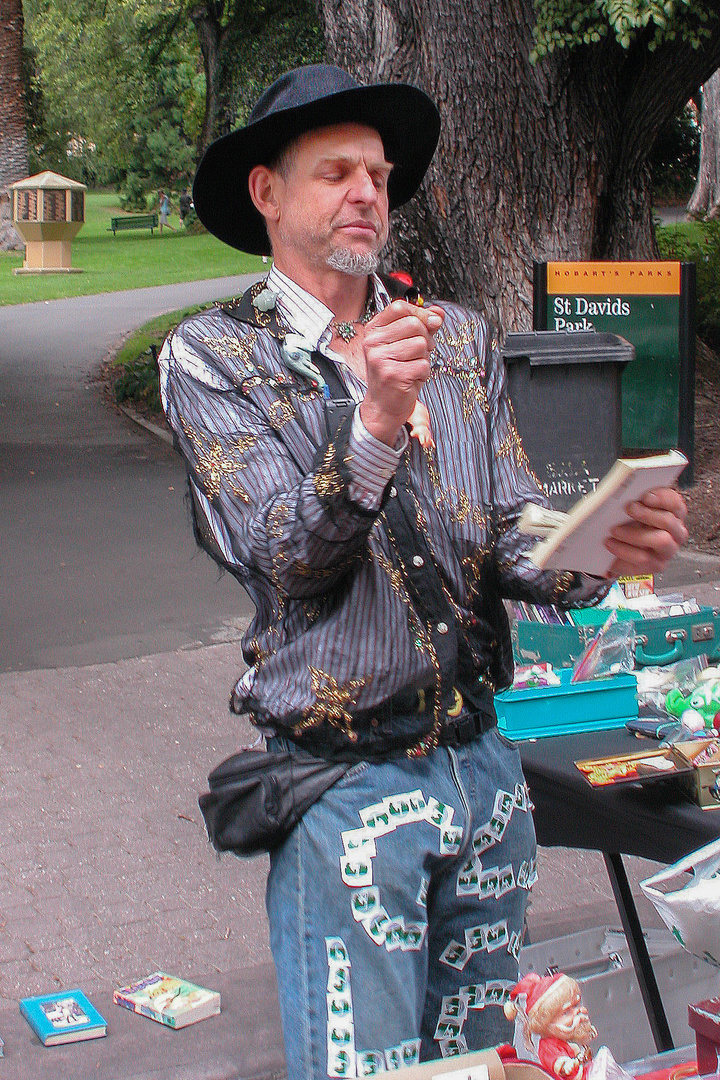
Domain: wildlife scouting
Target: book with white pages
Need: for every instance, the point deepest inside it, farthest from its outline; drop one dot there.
(575, 541)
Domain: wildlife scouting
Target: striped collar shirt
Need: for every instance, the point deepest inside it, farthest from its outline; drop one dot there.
(372, 462)
(342, 624)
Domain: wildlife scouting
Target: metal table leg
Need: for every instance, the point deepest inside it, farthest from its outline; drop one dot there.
(638, 951)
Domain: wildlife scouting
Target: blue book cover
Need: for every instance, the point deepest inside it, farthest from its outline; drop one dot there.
(64, 1017)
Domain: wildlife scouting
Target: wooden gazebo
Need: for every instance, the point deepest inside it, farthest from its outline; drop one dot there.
(48, 211)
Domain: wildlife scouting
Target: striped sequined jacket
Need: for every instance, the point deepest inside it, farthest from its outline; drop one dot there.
(365, 621)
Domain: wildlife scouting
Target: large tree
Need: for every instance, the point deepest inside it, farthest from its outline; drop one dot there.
(13, 136)
(705, 199)
(549, 114)
(245, 45)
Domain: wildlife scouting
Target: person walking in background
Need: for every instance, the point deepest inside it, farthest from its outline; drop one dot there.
(164, 204)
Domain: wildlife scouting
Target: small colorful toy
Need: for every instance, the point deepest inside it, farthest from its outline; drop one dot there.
(550, 1006)
(419, 422)
(701, 708)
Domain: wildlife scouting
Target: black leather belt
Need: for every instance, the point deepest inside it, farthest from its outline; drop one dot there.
(456, 731)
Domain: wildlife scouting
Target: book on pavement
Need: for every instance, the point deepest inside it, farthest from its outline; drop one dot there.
(574, 541)
(63, 1017)
(168, 1000)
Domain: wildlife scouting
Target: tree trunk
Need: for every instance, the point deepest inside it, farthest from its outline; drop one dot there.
(13, 131)
(211, 34)
(534, 163)
(705, 199)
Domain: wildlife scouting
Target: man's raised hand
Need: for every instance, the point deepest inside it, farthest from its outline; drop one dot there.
(398, 343)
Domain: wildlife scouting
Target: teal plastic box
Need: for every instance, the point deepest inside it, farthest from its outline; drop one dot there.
(559, 710)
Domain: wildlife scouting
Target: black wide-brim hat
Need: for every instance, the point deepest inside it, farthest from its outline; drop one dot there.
(299, 101)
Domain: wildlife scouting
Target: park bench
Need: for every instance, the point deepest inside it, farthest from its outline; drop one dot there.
(134, 221)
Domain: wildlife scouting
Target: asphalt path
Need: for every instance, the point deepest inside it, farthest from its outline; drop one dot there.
(98, 560)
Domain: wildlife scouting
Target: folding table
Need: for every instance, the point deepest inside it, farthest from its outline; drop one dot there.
(653, 821)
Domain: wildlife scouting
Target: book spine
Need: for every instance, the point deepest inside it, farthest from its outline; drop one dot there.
(127, 1003)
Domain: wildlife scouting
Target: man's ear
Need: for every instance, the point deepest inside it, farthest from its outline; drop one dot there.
(262, 185)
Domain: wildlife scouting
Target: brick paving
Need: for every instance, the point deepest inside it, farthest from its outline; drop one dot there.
(106, 875)
(105, 872)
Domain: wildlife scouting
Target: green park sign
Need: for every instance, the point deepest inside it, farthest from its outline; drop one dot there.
(651, 305)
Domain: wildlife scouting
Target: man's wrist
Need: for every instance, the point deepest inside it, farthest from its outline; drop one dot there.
(371, 464)
(379, 425)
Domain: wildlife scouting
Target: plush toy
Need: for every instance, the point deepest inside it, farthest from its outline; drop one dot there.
(701, 708)
(550, 1007)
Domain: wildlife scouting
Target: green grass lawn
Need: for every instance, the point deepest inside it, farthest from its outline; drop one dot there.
(129, 260)
(682, 235)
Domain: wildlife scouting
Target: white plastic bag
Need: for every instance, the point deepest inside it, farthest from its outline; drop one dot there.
(691, 907)
(605, 1067)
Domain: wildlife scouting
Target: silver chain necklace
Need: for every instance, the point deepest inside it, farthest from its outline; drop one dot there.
(347, 330)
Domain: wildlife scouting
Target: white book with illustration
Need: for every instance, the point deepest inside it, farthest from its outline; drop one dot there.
(168, 999)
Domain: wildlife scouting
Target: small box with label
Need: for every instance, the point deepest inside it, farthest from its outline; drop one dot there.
(703, 783)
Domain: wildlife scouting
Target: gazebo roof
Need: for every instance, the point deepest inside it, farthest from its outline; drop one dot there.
(47, 179)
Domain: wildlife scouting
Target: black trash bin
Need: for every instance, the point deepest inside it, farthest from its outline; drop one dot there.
(566, 391)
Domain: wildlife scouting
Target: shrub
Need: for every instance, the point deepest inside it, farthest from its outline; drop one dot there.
(133, 198)
(705, 253)
(139, 383)
(192, 223)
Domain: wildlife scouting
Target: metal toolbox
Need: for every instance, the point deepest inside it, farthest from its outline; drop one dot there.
(599, 959)
(658, 641)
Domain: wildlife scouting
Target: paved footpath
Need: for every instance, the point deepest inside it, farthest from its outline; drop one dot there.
(105, 872)
(98, 561)
(106, 875)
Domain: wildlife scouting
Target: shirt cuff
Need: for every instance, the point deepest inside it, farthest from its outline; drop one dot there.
(371, 463)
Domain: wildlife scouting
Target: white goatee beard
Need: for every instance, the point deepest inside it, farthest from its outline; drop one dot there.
(353, 263)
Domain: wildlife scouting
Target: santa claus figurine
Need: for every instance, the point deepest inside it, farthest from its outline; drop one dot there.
(549, 1006)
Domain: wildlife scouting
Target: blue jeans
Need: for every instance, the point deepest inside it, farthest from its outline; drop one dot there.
(397, 908)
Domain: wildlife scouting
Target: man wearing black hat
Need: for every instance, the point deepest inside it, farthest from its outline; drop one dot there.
(377, 566)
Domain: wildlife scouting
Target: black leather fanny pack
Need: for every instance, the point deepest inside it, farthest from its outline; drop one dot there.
(257, 797)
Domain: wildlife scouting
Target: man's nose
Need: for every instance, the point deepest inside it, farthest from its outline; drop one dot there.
(363, 187)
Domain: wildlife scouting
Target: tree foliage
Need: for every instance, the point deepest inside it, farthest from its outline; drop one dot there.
(286, 34)
(141, 86)
(115, 83)
(566, 23)
(246, 45)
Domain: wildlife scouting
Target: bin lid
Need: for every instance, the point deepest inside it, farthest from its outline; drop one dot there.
(568, 347)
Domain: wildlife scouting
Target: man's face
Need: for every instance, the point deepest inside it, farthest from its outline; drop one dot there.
(332, 200)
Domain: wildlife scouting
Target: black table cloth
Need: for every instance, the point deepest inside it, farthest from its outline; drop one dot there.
(654, 820)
